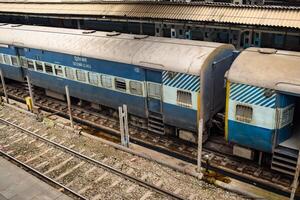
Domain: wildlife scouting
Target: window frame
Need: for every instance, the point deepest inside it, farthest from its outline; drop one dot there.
(17, 59)
(9, 59)
(70, 69)
(33, 64)
(39, 63)
(1, 59)
(242, 117)
(56, 67)
(134, 91)
(52, 68)
(104, 82)
(83, 73)
(188, 103)
(95, 75)
(119, 81)
(155, 96)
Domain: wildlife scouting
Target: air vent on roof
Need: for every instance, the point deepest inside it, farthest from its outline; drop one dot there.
(139, 37)
(267, 51)
(88, 31)
(16, 25)
(113, 34)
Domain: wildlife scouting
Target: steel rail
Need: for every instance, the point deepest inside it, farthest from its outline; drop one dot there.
(42, 175)
(98, 163)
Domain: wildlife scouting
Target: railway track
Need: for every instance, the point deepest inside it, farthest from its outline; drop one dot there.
(79, 174)
(235, 167)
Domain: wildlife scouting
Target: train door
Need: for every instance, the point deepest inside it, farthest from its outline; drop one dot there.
(154, 102)
(154, 97)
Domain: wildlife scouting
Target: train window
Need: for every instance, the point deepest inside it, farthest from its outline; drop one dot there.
(136, 87)
(15, 61)
(24, 62)
(58, 70)
(7, 60)
(106, 81)
(30, 64)
(93, 78)
(39, 66)
(184, 98)
(80, 75)
(244, 113)
(154, 90)
(1, 59)
(48, 68)
(120, 84)
(70, 73)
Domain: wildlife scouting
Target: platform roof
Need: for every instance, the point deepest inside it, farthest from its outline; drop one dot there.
(267, 68)
(185, 56)
(270, 16)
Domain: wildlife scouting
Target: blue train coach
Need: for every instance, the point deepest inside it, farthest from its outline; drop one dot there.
(263, 106)
(170, 83)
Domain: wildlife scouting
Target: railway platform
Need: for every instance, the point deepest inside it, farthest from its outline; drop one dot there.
(17, 184)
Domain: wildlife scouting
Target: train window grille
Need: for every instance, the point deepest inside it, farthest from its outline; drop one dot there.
(1, 59)
(120, 84)
(23, 62)
(15, 61)
(106, 81)
(59, 70)
(7, 60)
(70, 73)
(244, 113)
(154, 90)
(136, 87)
(93, 78)
(48, 68)
(30, 64)
(39, 66)
(184, 98)
(80, 75)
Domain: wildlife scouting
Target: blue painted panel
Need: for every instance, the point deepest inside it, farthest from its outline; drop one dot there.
(90, 64)
(154, 76)
(250, 136)
(284, 133)
(154, 105)
(14, 73)
(180, 117)
(10, 50)
(136, 105)
(284, 100)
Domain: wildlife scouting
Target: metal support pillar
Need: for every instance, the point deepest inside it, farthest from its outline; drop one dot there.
(200, 134)
(296, 177)
(69, 105)
(123, 115)
(141, 28)
(78, 24)
(4, 86)
(30, 90)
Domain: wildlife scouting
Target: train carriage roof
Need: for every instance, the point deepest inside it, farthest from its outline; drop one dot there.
(177, 55)
(268, 68)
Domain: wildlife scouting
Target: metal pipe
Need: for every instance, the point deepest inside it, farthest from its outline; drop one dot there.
(200, 133)
(4, 86)
(69, 105)
(30, 90)
(126, 130)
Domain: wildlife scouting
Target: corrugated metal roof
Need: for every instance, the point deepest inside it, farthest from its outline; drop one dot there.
(268, 68)
(288, 17)
(184, 56)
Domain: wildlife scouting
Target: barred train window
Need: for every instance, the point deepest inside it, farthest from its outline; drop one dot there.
(39, 66)
(243, 113)
(120, 84)
(6, 59)
(24, 62)
(58, 70)
(136, 87)
(106, 81)
(184, 98)
(80, 75)
(1, 59)
(15, 61)
(93, 78)
(48, 68)
(30, 64)
(154, 90)
(70, 73)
